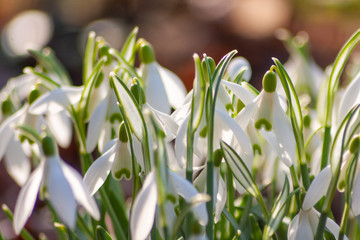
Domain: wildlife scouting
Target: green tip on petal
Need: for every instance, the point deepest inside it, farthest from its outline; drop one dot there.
(48, 146)
(354, 145)
(122, 173)
(307, 121)
(230, 107)
(122, 133)
(218, 156)
(269, 82)
(263, 122)
(7, 107)
(212, 66)
(99, 79)
(104, 51)
(34, 94)
(257, 149)
(138, 93)
(239, 106)
(115, 117)
(146, 53)
(203, 132)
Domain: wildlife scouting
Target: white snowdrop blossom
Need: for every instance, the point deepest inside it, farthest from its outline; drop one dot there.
(145, 204)
(305, 223)
(63, 187)
(163, 89)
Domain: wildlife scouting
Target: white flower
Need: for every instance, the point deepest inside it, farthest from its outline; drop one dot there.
(163, 89)
(266, 114)
(237, 65)
(143, 210)
(305, 223)
(116, 158)
(63, 186)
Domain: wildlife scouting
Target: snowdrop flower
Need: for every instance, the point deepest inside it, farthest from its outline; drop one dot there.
(142, 216)
(163, 89)
(266, 114)
(304, 224)
(237, 65)
(16, 162)
(116, 158)
(55, 105)
(63, 187)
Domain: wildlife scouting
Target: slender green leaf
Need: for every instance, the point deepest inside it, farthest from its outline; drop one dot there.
(278, 211)
(102, 234)
(232, 221)
(131, 109)
(89, 56)
(128, 50)
(239, 169)
(51, 64)
(199, 90)
(24, 233)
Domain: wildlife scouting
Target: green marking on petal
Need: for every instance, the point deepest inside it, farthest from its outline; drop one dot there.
(34, 94)
(263, 122)
(203, 132)
(239, 106)
(122, 133)
(354, 145)
(218, 156)
(122, 173)
(257, 149)
(269, 82)
(138, 93)
(307, 121)
(99, 79)
(115, 117)
(104, 51)
(229, 107)
(7, 107)
(171, 198)
(146, 53)
(205, 70)
(48, 146)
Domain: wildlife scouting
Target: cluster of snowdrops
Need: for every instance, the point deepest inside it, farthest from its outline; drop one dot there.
(223, 161)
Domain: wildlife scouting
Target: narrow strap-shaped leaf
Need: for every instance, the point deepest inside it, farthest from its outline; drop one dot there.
(85, 96)
(50, 63)
(278, 211)
(123, 63)
(130, 107)
(199, 90)
(233, 222)
(239, 169)
(128, 50)
(336, 71)
(88, 56)
(102, 234)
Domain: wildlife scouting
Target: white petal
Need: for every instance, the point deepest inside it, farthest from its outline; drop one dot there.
(122, 166)
(318, 188)
(355, 205)
(231, 129)
(174, 87)
(181, 143)
(143, 210)
(81, 192)
(95, 125)
(350, 98)
(61, 127)
(240, 92)
(6, 130)
(333, 228)
(100, 169)
(186, 190)
(60, 193)
(304, 230)
(236, 65)
(56, 100)
(26, 199)
(16, 162)
(220, 199)
(154, 88)
(293, 227)
(105, 136)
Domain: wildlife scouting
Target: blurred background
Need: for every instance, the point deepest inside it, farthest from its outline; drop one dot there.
(176, 29)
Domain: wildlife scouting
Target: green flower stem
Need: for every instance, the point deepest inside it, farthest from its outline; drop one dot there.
(230, 191)
(295, 185)
(326, 147)
(116, 224)
(24, 233)
(190, 150)
(344, 221)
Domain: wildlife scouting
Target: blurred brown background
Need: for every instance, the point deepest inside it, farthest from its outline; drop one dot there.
(177, 29)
